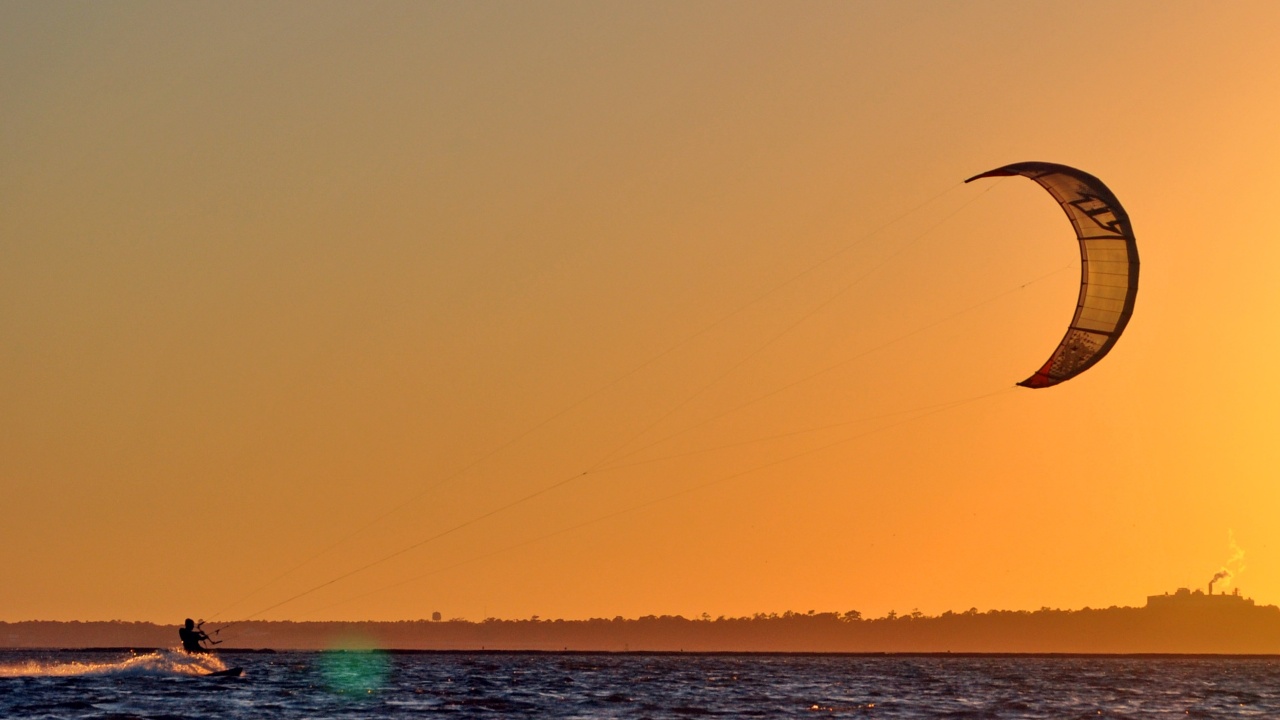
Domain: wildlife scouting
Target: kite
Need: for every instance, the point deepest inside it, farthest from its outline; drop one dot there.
(1108, 273)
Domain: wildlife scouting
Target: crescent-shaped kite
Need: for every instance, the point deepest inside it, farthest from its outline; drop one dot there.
(1108, 273)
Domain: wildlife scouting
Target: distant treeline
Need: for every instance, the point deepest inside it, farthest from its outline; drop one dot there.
(1112, 630)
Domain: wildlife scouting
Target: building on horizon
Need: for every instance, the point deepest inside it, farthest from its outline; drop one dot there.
(1185, 598)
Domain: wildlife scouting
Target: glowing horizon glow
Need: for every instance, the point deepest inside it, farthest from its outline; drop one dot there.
(699, 294)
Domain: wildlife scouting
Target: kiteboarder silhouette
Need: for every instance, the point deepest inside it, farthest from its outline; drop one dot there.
(192, 636)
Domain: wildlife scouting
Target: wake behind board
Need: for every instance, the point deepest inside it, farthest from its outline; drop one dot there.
(229, 672)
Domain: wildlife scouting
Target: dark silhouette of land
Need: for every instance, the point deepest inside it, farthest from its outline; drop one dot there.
(1183, 622)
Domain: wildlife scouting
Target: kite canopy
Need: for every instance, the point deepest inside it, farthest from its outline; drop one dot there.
(1109, 267)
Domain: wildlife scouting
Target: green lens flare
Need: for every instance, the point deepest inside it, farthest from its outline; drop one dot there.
(354, 672)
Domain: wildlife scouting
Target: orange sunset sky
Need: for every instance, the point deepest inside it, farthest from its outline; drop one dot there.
(291, 290)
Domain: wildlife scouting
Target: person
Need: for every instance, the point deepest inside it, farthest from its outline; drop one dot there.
(192, 636)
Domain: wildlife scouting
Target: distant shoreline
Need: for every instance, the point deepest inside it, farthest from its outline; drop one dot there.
(1197, 625)
(700, 653)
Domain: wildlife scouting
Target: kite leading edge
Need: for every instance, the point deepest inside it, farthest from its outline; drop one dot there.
(1108, 273)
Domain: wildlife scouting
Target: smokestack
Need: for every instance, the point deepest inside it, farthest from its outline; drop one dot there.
(1224, 573)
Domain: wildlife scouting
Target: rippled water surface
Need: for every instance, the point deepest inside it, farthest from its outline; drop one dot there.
(377, 685)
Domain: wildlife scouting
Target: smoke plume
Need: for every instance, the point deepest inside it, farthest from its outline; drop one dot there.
(1234, 565)
(1222, 574)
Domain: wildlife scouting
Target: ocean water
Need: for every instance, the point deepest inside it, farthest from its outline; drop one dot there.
(119, 685)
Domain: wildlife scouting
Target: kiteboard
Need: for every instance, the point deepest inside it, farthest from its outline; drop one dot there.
(229, 672)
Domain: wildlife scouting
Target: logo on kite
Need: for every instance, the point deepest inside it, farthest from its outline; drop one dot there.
(1095, 208)
(1109, 267)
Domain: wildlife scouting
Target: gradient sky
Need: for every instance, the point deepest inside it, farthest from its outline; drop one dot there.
(271, 274)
